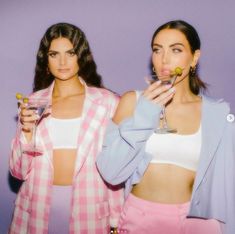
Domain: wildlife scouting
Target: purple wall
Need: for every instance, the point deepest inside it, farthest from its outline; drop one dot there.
(119, 33)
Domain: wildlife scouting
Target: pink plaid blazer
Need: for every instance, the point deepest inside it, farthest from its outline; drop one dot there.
(94, 204)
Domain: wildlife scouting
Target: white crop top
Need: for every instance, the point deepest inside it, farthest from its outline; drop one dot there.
(180, 150)
(64, 132)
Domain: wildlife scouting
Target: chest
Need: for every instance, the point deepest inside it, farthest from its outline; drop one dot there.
(67, 108)
(185, 118)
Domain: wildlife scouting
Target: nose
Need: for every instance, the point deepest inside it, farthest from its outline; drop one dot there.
(165, 57)
(62, 59)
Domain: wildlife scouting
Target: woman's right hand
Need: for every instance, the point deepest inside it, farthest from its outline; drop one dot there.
(155, 92)
(158, 93)
(27, 119)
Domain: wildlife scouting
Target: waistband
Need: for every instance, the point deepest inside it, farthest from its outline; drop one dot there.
(154, 207)
(60, 188)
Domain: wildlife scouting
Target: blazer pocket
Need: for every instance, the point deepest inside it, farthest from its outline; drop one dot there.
(102, 209)
(23, 202)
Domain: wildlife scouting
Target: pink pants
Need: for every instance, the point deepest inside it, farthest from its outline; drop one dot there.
(140, 216)
(60, 210)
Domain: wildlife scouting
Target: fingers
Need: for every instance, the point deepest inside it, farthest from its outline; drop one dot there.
(159, 93)
(164, 98)
(28, 117)
(153, 86)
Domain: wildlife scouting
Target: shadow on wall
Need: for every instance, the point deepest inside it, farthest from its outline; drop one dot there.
(14, 183)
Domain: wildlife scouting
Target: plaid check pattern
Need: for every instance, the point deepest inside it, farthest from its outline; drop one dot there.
(95, 205)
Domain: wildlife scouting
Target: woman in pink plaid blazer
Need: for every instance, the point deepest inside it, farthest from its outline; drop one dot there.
(62, 191)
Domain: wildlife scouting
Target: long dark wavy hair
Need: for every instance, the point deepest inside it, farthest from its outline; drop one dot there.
(87, 66)
(195, 83)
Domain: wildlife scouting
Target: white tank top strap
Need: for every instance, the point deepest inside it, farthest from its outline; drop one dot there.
(138, 93)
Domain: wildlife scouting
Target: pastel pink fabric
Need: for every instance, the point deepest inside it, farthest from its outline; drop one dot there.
(94, 205)
(140, 216)
(59, 209)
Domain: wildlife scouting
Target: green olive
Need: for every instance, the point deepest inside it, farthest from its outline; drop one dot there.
(19, 96)
(25, 100)
(178, 71)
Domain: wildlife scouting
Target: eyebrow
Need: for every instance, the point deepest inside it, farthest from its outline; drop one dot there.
(172, 45)
(54, 51)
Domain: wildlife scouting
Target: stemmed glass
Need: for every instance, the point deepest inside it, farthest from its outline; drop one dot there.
(39, 105)
(166, 80)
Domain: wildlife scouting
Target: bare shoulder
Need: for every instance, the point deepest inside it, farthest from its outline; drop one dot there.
(125, 107)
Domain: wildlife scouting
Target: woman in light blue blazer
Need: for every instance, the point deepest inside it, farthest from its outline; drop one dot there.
(181, 182)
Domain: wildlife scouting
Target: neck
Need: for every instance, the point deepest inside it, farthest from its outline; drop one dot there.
(183, 93)
(68, 88)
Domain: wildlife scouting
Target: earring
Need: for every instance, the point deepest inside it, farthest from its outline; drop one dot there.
(48, 71)
(153, 69)
(192, 71)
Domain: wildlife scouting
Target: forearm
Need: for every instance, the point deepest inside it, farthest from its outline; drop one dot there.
(118, 159)
(20, 161)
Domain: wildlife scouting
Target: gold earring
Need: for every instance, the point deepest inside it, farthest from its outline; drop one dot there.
(193, 71)
(48, 71)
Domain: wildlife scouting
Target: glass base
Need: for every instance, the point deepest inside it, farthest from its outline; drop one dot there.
(165, 130)
(32, 151)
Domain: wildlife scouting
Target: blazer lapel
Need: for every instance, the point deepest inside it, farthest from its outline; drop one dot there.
(213, 123)
(43, 129)
(92, 116)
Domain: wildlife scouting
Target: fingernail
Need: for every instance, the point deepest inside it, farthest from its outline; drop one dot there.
(172, 90)
(168, 86)
(147, 81)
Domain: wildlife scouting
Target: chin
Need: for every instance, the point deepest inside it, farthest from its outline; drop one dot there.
(65, 78)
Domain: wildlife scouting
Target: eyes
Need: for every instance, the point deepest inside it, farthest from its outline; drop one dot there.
(177, 50)
(71, 53)
(54, 54)
(174, 50)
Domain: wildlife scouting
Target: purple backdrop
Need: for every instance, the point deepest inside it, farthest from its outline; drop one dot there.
(119, 33)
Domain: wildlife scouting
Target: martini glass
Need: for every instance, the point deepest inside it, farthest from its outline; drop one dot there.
(39, 106)
(164, 128)
(166, 80)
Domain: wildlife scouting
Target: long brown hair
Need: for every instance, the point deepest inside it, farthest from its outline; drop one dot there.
(87, 66)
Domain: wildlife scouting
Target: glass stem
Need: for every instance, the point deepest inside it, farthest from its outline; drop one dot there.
(34, 137)
(164, 123)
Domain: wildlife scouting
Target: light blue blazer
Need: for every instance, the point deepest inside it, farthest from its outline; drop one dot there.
(123, 158)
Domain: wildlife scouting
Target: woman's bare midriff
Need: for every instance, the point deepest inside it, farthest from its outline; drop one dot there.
(64, 164)
(165, 183)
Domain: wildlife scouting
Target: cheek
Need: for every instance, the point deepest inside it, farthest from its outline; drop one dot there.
(51, 64)
(188, 58)
(155, 60)
(74, 65)
(183, 61)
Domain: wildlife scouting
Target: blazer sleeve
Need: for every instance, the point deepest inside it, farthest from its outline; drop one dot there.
(20, 160)
(230, 183)
(22, 156)
(115, 193)
(123, 145)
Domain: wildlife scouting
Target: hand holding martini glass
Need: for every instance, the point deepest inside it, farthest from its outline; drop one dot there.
(166, 80)
(38, 106)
